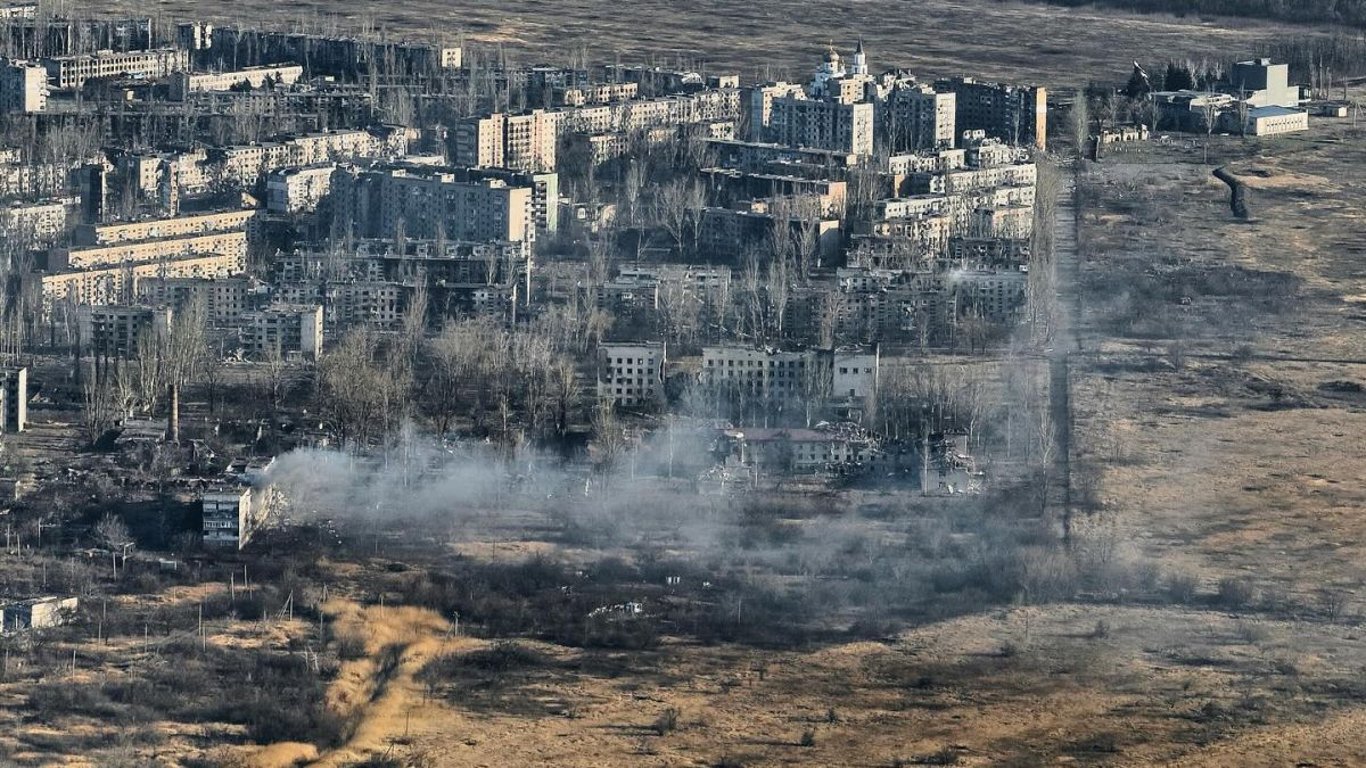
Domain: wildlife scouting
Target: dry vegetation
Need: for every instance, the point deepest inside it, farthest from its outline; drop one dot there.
(1208, 615)
(1062, 46)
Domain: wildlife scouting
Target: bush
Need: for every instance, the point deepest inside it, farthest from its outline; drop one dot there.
(808, 738)
(1181, 587)
(666, 722)
(1251, 632)
(945, 756)
(1235, 592)
(351, 646)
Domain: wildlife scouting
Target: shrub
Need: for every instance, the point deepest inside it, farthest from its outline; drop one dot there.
(945, 756)
(1181, 586)
(666, 722)
(1251, 633)
(1235, 592)
(808, 738)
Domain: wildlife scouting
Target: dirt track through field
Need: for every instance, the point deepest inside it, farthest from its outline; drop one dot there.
(377, 692)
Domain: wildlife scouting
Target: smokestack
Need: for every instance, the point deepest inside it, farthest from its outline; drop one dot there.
(175, 414)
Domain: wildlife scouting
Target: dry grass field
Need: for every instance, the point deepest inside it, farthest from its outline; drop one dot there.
(1246, 460)
(983, 38)
(1220, 415)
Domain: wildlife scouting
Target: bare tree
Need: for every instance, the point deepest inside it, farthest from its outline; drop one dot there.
(1210, 113)
(677, 206)
(1080, 122)
(113, 533)
(359, 390)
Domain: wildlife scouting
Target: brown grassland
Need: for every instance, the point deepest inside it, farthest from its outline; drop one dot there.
(983, 38)
(1219, 418)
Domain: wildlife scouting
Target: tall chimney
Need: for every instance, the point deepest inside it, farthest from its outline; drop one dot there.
(175, 414)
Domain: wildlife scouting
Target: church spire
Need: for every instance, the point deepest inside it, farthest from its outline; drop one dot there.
(859, 66)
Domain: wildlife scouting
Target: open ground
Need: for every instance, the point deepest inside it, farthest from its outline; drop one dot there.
(1051, 46)
(1219, 407)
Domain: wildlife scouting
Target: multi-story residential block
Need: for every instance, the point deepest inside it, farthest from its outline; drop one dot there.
(194, 35)
(758, 103)
(457, 263)
(175, 227)
(71, 72)
(802, 122)
(298, 190)
(759, 156)
(224, 299)
(120, 330)
(728, 187)
(118, 282)
(632, 375)
(593, 93)
(601, 147)
(284, 329)
(181, 84)
(914, 116)
(38, 223)
(23, 87)
(854, 373)
(232, 514)
(708, 106)
(726, 230)
(545, 191)
(243, 165)
(34, 179)
(992, 295)
(988, 253)
(431, 202)
(1014, 113)
(657, 80)
(525, 142)
(374, 304)
(227, 244)
(19, 11)
(772, 374)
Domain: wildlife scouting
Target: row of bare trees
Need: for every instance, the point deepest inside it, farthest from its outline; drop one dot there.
(510, 385)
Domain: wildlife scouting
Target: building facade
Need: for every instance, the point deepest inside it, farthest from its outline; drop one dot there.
(23, 87)
(71, 72)
(632, 375)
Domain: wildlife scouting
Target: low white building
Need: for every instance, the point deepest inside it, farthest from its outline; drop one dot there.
(36, 613)
(1271, 121)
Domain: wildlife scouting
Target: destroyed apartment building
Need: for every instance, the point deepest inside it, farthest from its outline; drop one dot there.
(238, 506)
